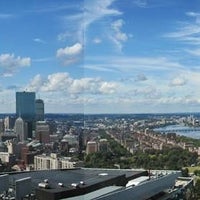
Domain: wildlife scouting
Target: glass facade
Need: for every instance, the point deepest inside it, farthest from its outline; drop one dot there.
(25, 105)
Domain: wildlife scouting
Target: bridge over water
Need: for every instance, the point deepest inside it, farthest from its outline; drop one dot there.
(181, 130)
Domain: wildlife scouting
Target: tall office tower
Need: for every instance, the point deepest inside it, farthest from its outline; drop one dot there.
(21, 129)
(39, 110)
(25, 108)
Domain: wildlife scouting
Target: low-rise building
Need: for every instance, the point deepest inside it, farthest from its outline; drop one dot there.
(7, 158)
(54, 161)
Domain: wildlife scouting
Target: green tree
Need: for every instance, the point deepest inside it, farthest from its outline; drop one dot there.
(197, 189)
(185, 172)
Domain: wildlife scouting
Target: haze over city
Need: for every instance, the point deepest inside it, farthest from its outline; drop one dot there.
(107, 56)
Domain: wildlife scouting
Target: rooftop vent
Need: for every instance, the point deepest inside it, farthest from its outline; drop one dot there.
(46, 180)
(61, 184)
(75, 185)
(43, 185)
(82, 182)
(103, 174)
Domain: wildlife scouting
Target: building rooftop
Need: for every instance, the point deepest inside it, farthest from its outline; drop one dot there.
(57, 184)
(88, 183)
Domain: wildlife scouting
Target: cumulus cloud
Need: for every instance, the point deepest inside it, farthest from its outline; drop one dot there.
(70, 54)
(65, 84)
(10, 64)
(84, 85)
(57, 81)
(108, 87)
(178, 81)
(35, 83)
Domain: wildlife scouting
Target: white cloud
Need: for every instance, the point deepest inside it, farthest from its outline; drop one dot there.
(178, 81)
(38, 40)
(193, 14)
(84, 85)
(64, 36)
(57, 81)
(35, 83)
(140, 3)
(188, 31)
(118, 37)
(70, 54)
(195, 52)
(108, 87)
(7, 74)
(62, 82)
(100, 67)
(54, 82)
(97, 40)
(194, 78)
(10, 64)
(95, 10)
(96, 93)
(134, 64)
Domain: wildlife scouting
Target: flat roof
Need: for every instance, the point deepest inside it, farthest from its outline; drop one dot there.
(96, 193)
(89, 176)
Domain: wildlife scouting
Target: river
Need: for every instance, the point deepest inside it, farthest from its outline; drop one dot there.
(179, 130)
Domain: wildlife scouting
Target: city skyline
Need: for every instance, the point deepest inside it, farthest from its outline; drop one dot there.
(101, 56)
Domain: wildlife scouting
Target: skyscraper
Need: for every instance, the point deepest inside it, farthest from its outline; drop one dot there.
(39, 110)
(25, 108)
(25, 105)
(42, 132)
(20, 129)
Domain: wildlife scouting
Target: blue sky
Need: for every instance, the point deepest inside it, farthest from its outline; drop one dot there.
(101, 56)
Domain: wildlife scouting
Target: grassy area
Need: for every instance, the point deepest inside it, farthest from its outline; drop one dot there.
(192, 169)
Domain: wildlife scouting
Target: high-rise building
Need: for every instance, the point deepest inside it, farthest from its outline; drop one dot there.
(25, 105)
(42, 132)
(21, 129)
(39, 110)
(9, 122)
(25, 108)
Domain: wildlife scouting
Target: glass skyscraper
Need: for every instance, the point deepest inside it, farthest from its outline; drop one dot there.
(25, 108)
(25, 105)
